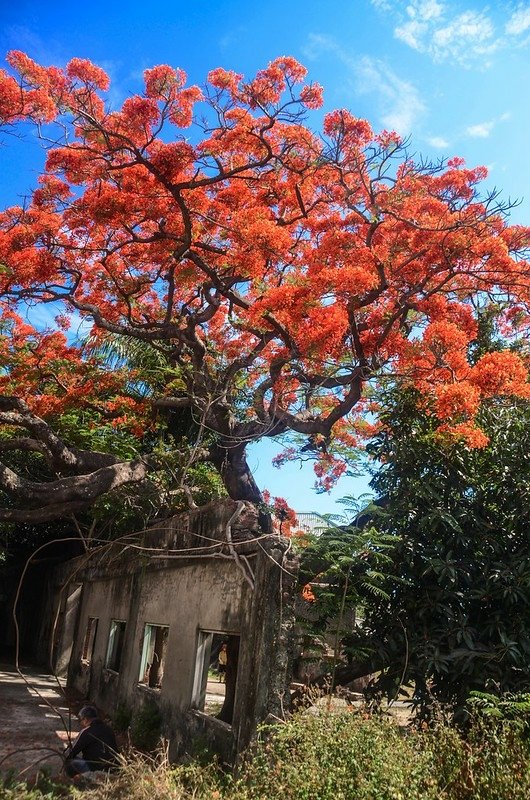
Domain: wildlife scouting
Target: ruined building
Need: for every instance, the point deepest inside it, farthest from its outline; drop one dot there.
(141, 622)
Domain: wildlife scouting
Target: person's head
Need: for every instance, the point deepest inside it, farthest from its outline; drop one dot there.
(87, 715)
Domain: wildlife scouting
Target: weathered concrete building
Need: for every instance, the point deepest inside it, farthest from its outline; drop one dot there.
(139, 623)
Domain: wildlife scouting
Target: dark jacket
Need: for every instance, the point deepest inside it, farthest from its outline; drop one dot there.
(96, 744)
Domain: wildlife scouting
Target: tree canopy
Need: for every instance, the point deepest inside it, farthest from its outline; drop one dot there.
(455, 617)
(275, 270)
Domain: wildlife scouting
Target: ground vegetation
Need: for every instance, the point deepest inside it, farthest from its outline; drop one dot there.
(342, 756)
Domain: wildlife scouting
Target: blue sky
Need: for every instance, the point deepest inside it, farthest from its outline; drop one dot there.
(454, 75)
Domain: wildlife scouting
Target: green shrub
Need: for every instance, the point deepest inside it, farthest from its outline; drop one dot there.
(334, 757)
(346, 757)
(499, 761)
(43, 789)
(146, 726)
(514, 707)
(122, 718)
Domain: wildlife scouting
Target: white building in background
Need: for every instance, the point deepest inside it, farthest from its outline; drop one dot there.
(311, 522)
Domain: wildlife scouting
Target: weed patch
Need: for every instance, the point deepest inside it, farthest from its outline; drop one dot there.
(333, 756)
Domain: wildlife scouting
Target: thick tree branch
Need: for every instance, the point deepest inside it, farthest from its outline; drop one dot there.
(74, 489)
(15, 412)
(46, 514)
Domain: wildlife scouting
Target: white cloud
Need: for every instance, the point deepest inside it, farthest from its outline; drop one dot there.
(318, 43)
(43, 51)
(412, 34)
(445, 30)
(519, 22)
(382, 5)
(481, 130)
(398, 102)
(430, 27)
(422, 15)
(468, 30)
(437, 141)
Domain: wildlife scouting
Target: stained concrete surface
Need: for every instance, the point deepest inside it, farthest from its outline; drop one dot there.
(35, 718)
(32, 733)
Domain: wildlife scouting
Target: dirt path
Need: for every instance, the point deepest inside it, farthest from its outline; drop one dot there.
(32, 735)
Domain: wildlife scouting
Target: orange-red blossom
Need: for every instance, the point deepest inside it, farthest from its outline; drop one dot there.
(267, 261)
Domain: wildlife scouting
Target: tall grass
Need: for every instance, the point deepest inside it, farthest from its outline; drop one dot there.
(335, 757)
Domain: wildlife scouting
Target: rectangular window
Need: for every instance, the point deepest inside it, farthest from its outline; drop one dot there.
(90, 639)
(214, 684)
(115, 644)
(153, 655)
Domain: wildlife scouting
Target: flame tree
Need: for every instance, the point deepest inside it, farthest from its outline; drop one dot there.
(274, 270)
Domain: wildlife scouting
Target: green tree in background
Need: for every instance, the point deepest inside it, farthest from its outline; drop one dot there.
(457, 617)
(341, 570)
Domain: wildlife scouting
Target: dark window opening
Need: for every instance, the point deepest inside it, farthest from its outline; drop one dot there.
(153, 655)
(214, 685)
(90, 640)
(115, 644)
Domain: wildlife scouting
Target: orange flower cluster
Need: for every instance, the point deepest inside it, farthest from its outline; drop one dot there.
(57, 376)
(280, 269)
(328, 470)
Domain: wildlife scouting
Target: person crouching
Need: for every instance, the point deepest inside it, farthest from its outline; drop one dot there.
(95, 747)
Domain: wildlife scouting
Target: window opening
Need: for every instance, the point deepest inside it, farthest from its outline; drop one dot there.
(90, 639)
(214, 684)
(153, 655)
(115, 644)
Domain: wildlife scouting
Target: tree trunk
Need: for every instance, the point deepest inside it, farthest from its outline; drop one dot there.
(230, 461)
(344, 674)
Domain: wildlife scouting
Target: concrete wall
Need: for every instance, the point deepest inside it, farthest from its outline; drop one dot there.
(205, 595)
(204, 570)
